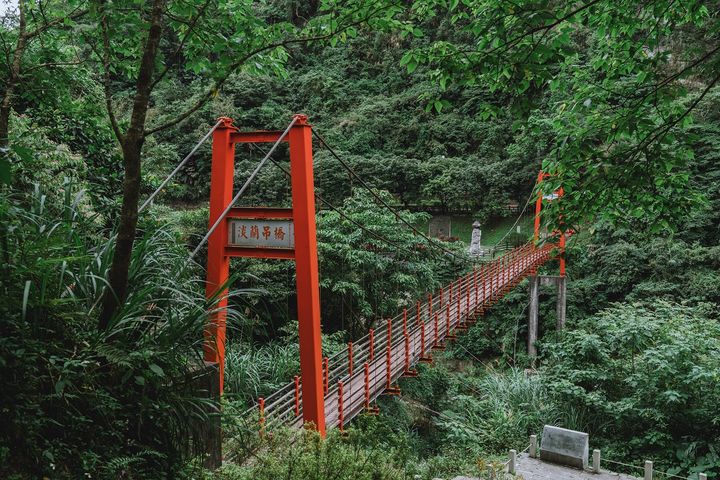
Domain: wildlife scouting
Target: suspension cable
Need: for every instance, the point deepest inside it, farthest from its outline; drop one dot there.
(341, 213)
(380, 199)
(179, 166)
(516, 220)
(252, 176)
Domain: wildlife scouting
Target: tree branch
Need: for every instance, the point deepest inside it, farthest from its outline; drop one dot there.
(105, 59)
(191, 26)
(221, 81)
(74, 15)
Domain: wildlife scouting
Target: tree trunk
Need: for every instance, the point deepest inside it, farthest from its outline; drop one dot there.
(132, 143)
(13, 79)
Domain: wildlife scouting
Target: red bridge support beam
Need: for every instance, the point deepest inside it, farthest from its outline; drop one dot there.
(307, 275)
(218, 264)
(305, 254)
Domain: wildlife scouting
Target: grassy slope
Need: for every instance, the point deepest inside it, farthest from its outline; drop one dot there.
(492, 232)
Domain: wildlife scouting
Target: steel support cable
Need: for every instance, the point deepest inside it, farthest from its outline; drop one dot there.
(343, 215)
(179, 166)
(516, 220)
(240, 192)
(381, 201)
(366, 230)
(287, 390)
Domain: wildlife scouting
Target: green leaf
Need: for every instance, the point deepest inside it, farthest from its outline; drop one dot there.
(157, 370)
(5, 176)
(60, 387)
(24, 153)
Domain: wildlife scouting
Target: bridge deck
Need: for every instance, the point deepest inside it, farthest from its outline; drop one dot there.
(356, 377)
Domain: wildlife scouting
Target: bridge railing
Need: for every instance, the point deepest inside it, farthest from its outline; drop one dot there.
(371, 365)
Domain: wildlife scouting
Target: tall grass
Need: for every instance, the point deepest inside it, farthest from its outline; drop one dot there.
(77, 401)
(252, 372)
(501, 411)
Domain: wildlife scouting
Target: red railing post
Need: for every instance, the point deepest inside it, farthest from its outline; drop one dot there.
(430, 305)
(350, 358)
(372, 344)
(407, 353)
(297, 395)
(486, 284)
(326, 364)
(493, 281)
(475, 287)
(448, 334)
(261, 406)
(423, 357)
(447, 320)
(390, 389)
(366, 367)
(467, 301)
(341, 415)
(389, 352)
(404, 321)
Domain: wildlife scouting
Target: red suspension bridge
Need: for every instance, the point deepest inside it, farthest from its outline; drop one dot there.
(329, 392)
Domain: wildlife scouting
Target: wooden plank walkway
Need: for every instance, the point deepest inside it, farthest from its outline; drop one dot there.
(534, 469)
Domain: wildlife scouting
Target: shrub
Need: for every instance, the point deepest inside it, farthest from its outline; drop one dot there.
(646, 377)
(305, 456)
(499, 412)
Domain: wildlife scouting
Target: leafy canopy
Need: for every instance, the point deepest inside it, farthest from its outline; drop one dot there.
(621, 77)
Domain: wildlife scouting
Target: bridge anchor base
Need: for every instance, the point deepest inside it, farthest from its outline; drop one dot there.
(392, 390)
(372, 410)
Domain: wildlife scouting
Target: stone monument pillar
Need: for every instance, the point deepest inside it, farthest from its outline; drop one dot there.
(475, 248)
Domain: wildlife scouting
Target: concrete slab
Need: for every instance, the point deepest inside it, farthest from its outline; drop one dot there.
(566, 447)
(535, 469)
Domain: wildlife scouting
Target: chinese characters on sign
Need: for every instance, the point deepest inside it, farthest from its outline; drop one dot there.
(261, 233)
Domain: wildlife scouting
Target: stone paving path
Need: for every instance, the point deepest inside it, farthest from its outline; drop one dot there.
(534, 469)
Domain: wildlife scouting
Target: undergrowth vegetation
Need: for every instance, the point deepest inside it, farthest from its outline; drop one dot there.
(88, 402)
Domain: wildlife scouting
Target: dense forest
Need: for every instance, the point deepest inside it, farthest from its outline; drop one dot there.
(443, 108)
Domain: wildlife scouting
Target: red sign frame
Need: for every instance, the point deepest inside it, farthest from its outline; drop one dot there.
(304, 253)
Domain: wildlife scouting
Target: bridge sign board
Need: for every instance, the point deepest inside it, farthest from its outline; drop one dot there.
(262, 233)
(261, 228)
